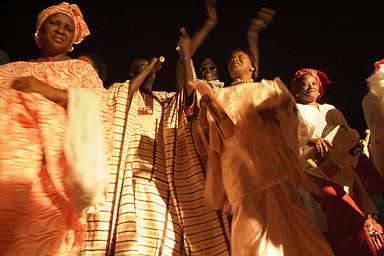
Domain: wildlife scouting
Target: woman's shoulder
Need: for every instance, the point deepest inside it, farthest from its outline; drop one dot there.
(72, 63)
(327, 106)
(16, 69)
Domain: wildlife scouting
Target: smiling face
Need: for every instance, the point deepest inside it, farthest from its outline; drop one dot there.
(307, 89)
(208, 72)
(240, 65)
(56, 34)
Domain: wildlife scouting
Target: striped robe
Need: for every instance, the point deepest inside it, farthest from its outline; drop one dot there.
(155, 200)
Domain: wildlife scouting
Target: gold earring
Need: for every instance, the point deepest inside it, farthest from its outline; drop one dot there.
(37, 40)
(71, 49)
(252, 69)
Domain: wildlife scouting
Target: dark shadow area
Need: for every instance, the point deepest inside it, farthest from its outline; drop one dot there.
(341, 38)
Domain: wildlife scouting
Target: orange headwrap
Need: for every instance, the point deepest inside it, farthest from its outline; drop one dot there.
(72, 10)
(321, 79)
(378, 64)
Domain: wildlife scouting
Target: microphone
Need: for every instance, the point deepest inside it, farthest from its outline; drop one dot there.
(158, 63)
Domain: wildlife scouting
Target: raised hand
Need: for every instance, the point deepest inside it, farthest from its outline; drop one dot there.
(262, 20)
(184, 44)
(211, 12)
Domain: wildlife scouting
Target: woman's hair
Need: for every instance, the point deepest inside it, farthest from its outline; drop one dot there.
(98, 63)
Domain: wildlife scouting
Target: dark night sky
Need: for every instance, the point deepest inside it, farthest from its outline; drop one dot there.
(341, 38)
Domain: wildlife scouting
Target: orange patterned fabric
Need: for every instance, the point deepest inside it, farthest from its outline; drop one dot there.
(37, 215)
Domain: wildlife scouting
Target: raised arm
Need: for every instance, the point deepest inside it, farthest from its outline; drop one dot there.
(184, 44)
(138, 78)
(198, 38)
(261, 22)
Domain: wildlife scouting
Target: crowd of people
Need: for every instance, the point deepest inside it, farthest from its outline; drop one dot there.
(253, 167)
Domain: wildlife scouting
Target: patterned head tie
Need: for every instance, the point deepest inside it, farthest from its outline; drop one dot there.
(321, 79)
(72, 10)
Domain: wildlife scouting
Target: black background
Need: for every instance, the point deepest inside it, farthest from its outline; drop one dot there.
(341, 38)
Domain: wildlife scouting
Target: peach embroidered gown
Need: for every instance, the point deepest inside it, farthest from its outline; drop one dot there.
(258, 172)
(38, 213)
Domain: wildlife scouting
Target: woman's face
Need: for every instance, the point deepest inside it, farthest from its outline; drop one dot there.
(56, 33)
(307, 89)
(240, 65)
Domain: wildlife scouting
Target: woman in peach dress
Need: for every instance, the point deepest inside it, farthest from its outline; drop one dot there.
(253, 166)
(55, 132)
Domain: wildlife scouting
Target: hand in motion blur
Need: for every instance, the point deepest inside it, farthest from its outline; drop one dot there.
(263, 19)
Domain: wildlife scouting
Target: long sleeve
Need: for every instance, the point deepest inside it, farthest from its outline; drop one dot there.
(214, 192)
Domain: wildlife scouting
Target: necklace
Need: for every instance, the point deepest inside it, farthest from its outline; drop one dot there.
(241, 81)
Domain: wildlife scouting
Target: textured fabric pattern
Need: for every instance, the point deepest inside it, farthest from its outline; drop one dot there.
(37, 201)
(155, 203)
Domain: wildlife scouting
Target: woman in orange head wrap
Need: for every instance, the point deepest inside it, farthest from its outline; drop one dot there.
(55, 132)
(344, 201)
(320, 77)
(72, 10)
